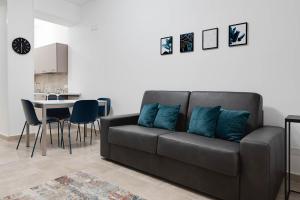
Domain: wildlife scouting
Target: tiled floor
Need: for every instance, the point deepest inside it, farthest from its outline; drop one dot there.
(18, 171)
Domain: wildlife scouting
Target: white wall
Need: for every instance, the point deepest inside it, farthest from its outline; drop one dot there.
(19, 67)
(3, 69)
(57, 11)
(115, 52)
(47, 33)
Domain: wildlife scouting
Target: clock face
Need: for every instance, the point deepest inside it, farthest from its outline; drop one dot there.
(21, 46)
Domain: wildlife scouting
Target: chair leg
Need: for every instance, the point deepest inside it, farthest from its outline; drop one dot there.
(98, 124)
(95, 128)
(79, 133)
(50, 133)
(62, 135)
(84, 133)
(37, 136)
(70, 145)
(21, 135)
(41, 138)
(91, 133)
(58, 123)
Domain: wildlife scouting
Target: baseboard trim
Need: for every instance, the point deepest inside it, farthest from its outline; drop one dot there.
(14, 137)
(295, 177)
(32, 135)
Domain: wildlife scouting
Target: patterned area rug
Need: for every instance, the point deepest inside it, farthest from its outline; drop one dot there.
(79, 185)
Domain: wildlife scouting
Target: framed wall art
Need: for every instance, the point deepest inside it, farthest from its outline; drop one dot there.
(187, 42)
(166, 45)
(210, 39)
(238, 34)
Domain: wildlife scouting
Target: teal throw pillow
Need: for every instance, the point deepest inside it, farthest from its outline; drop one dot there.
(204, 121)
(232, 125)
(148, 114)
(167, 117)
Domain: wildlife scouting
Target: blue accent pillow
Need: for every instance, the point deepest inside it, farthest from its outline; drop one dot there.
(148, 114)
(204, 121)
(232, 124)
(167, 117)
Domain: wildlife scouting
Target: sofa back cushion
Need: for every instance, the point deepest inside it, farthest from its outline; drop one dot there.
(170, 98)
(251, 102)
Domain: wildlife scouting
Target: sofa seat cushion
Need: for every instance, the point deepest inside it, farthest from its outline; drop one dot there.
(210, 153)
(136, 137)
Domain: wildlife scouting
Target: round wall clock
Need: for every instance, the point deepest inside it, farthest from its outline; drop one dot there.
(21, 45)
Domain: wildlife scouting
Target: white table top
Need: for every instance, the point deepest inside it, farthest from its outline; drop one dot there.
(62, 94)
(53, 102)
(59, 103)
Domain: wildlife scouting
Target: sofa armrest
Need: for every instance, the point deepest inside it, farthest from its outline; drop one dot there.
(107, 122)
(262, 163)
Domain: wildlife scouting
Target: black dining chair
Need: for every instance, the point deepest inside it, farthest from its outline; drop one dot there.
(60, 114)
(101, 109)
(32, 120)
(84, 112)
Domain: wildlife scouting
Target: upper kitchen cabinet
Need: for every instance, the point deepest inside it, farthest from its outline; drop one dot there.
(52, 58)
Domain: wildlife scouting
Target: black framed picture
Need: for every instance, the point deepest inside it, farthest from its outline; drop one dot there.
(210, 39)
(238, 34)
(187, 42)
(166, 45)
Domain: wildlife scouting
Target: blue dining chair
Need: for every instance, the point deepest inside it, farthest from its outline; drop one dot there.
(101, 109)
(84, 112)
(61, 114)
(51, 97)
(32, 120)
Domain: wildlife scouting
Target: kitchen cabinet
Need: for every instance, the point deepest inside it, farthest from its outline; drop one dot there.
(52, 58)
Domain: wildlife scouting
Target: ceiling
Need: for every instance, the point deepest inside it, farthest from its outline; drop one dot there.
(78, 2)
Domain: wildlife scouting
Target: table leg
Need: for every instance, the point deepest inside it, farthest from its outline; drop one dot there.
(44, 131)
(27, 135)
(289, 157)
(285, 161)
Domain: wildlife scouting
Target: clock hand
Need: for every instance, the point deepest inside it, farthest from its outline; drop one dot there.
(21, 47)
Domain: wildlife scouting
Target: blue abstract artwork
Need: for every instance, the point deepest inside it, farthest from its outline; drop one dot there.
(166, 45)
(238, 34)
(186, 42)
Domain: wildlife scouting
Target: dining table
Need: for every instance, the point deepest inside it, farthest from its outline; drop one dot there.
(48, 104)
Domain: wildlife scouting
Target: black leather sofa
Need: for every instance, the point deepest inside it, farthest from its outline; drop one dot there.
(249, 170)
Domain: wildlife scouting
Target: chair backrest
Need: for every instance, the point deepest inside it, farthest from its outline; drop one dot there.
(84, 111)
(108, 104)
(62, 97)
(170, 98)
(52, 97)
(59, 113)
(29, 112)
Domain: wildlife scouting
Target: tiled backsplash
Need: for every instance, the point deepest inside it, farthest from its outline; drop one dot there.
(51, 83)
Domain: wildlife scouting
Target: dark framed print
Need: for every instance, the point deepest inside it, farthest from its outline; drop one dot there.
(166, 45)
(187, 42)
(238, 34)
(210, 39)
